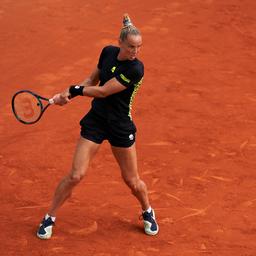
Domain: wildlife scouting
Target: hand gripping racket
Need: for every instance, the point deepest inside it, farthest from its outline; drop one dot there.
(29, 107)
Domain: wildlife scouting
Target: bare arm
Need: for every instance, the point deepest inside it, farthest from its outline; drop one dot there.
(93, 79)
(91, 90)
(110, 87)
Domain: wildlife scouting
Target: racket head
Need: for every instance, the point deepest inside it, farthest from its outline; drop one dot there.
(27, 107)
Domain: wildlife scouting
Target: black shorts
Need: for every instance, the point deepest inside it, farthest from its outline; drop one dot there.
(96, 128)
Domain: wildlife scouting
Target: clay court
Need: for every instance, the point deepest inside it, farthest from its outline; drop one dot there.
(195, 115)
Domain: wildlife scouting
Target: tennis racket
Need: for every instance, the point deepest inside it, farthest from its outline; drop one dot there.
(29, 107)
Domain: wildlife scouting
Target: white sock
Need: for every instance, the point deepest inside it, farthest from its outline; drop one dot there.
(148, 210)
(47, 216)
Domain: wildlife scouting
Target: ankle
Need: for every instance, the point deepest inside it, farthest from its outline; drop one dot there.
(48, 215)
(149, 209)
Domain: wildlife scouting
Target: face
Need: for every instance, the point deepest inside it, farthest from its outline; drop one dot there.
(130, 47)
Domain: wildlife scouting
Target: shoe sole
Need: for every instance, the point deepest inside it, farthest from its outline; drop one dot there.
(44, 237)
(152, 233)
(148, 231)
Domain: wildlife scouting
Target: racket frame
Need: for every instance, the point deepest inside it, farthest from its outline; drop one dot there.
(39, 99)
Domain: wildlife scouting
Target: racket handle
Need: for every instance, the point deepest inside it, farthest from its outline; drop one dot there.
(51, 101)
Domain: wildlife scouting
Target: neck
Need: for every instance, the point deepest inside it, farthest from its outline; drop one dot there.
(120, 57)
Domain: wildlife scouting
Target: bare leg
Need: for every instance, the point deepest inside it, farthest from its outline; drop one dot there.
(85, 150)
(127, 160)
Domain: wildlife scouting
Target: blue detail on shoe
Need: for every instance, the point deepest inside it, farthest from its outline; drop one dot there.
(150, 224)
(45, 228)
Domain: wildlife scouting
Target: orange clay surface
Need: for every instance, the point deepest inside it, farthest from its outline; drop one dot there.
(196, 120)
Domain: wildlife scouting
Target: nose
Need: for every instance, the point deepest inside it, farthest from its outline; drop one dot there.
(135, 50)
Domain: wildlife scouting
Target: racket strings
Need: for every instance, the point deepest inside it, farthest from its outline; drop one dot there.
(27, 107)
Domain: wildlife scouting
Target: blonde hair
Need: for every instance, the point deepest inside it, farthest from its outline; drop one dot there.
(128, 28)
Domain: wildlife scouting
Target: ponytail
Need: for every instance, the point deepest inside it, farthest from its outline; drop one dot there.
(128, 28)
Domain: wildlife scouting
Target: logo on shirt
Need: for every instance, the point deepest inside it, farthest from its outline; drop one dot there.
(125, 78)
(113, 69)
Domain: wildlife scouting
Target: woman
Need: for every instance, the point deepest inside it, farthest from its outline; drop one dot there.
(119, 74)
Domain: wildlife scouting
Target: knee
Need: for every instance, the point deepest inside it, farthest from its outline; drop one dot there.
(75, 177)
(136, 185)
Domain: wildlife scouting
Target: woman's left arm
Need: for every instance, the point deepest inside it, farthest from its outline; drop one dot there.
(91, 81)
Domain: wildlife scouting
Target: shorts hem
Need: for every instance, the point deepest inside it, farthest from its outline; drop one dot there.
(91, 139)
(121, 145)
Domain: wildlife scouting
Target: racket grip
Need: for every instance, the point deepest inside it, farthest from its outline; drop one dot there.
(51, 101)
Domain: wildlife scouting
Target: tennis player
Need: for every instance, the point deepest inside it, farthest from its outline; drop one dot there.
(113, 85)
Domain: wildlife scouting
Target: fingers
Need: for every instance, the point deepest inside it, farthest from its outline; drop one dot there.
(61, 98)
(65, 96)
